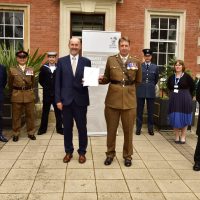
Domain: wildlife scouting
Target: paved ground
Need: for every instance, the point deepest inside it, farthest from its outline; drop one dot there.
(161, 170)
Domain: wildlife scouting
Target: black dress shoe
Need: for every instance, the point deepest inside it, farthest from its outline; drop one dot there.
(151, 133)
(3, 139)
(108, 161)
(138, 132)
(41, 132)
(32, 137)
(15, 138)
(196, 166)
(127, 162)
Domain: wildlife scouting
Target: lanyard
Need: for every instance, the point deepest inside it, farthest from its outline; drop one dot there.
(176, 80)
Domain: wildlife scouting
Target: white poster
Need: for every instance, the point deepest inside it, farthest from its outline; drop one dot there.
(97, 46)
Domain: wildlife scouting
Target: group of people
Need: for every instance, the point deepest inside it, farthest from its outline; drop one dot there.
(130, 85)
(21, 82)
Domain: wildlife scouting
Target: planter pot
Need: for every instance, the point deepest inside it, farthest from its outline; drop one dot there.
(161, 119)
(7, 113)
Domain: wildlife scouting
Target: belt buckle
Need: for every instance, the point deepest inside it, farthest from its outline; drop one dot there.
(123, 82)
(23, 87)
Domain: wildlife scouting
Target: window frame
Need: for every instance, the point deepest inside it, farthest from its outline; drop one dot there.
(181, 20)
(26, 10)
(166, 41)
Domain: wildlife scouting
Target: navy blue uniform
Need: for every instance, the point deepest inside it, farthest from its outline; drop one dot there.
(47, 81)
(146, 90)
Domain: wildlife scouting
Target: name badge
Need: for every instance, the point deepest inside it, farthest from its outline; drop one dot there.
(175, 86)
(29, 72)
(175, 90)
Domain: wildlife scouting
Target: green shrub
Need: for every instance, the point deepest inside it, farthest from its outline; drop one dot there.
(8, 58)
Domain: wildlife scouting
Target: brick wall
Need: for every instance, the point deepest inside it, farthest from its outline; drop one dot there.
(45, 25)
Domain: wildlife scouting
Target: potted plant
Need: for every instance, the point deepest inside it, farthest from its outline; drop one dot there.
(8, 59)
(161, 103)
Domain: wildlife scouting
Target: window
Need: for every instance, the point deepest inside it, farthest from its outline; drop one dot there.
(164, 32)
(12, 28)
(163, 39)
(81, 22)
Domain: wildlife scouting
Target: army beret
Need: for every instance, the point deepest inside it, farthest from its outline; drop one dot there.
(21, 54)
(147, 52)
(51, 53)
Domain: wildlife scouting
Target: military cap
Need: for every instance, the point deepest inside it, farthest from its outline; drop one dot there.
(51, 53)
(21, 54)
(147, 52)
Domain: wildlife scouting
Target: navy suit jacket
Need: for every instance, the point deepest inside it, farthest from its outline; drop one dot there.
(3, 80)
(146, 89)
(69, 87)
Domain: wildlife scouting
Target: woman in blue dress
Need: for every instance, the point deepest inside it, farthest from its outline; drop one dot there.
(181, 86)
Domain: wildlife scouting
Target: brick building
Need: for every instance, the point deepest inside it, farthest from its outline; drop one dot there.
(170, 28)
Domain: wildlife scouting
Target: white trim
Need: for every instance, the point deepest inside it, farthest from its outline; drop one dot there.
(198, 60)
(198, 43)
(107, 7)
(26, 9)
(180, 14)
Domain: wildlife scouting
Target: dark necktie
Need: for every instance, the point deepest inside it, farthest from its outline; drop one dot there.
(147, 66)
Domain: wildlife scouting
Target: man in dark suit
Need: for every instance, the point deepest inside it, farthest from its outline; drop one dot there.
(72, 98)
(196, 166)
(47, 81)
(3, 81)
(146, 90)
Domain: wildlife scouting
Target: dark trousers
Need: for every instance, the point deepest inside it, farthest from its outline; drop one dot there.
(45, 116)
(1, 120)
(197, 151)
(78, 113)
(150, 109)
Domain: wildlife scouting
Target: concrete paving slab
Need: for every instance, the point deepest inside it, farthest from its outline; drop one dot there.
(161, 170)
